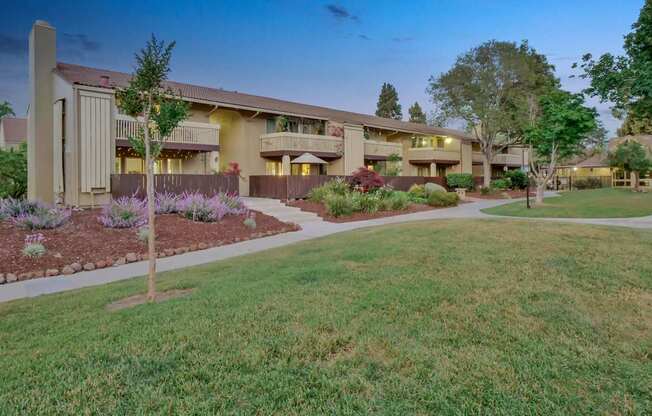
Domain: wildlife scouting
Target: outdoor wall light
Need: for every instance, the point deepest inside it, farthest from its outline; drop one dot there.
(447, 140)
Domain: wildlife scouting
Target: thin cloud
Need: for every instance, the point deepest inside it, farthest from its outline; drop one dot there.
(12, 46)
(403, 39)
(364, 37)
(80, 41)
(340, 13)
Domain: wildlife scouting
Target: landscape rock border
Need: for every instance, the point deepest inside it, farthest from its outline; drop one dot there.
(131, 257)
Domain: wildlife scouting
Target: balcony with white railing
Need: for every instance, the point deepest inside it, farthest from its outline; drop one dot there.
(509, 159)
(381, 150)
(190, 133)
(431, 154)
(294, 144)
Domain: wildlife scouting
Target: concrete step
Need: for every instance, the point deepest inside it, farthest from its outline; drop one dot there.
(280, 211)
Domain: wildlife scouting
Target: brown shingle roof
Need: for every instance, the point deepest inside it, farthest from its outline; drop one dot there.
(15, 130)
(82, 75)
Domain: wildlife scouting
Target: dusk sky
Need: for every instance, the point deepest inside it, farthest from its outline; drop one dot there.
(334, 54)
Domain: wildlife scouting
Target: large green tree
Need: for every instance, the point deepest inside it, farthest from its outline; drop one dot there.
(13, 172)
(6, 110)
(631, 157)
(416, 114)
(560, 132)
(634, 125)
(625, 81)
(161, 113)
(495, 89)
(388, 105)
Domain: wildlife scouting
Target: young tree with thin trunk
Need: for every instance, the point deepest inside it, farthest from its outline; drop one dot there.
(388, 105)
(560, 132)
(416, 114)
(495, 89)
(631, 157)
(161, 113)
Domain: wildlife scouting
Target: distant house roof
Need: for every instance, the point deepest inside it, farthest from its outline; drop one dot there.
(94, 77)
(599, 160)
(14, 130)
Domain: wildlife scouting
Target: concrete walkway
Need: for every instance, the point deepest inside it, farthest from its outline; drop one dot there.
(312, 227)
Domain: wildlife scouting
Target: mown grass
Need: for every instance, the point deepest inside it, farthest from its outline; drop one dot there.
(594, 203)
(455, 317)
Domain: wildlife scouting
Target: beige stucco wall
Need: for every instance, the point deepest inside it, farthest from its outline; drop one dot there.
(42, 60)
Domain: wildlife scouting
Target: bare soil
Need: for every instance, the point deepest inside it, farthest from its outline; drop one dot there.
(141, 299)
(500, 194)
(84, 240)
(320, 210)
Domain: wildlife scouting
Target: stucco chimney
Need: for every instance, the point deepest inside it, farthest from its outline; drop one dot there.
(42, 62)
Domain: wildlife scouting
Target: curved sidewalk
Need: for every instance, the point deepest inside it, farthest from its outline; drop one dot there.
(310, 230)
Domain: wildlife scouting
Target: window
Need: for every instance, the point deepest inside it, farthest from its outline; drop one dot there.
(271, 125)
(273, 167)
(440, 142)
(423, 170)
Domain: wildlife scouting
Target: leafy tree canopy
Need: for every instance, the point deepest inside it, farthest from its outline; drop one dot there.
(388, 105)
(416, 114)
(630, 156)
(13, 172)
(634, 125)
(6, 110)
(563, 127)
(625, 80)
(494, 88)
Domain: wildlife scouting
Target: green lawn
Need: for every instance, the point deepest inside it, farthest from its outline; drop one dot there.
(595, 203)
(455, 317)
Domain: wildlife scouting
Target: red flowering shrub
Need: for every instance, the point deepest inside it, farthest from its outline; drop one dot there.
(366, 179)
(233, 169)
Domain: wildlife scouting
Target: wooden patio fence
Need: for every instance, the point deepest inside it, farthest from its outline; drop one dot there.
(298, 187)
(135, 184)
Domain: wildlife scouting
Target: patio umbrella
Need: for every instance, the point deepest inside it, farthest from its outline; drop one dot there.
(309, 158)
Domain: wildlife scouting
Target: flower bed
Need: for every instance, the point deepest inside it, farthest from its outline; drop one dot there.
(366, 197)
(320, 210)
(83, 243)
(498, 194)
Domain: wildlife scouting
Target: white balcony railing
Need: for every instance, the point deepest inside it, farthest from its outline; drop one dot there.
(510, 159)
(430, 153)
(300, 143)
(382, 149)
(188, 132)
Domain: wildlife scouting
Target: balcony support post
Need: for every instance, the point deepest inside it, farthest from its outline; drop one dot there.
(433, 169)
(285, 165)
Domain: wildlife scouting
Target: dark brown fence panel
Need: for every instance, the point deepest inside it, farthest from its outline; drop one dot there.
(128, 185)
(300, 186)
(268, 186)
(135, 184)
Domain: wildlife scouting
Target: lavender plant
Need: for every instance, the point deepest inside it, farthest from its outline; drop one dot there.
(34, 245)
(197, 207)
(250, 221)
(167, 203)
(12, 207)
(43, 217)
(124, 212)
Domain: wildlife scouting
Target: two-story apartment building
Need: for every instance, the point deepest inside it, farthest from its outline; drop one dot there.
(78, 138)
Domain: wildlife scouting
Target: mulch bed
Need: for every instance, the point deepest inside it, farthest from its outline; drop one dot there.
(85, 241)
(500, 195)
(320, 210)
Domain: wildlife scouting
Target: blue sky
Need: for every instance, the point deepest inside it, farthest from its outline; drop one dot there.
(330, 53)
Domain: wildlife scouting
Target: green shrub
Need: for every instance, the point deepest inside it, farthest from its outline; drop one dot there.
(368, 203)
(339, 205)
(433, 187)
(460, 180)
(336, 186)
(398, 201)
(417, 191)
(443, 199)
(501, 184)
(587, 183)
(518, 178)
(485, 190)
